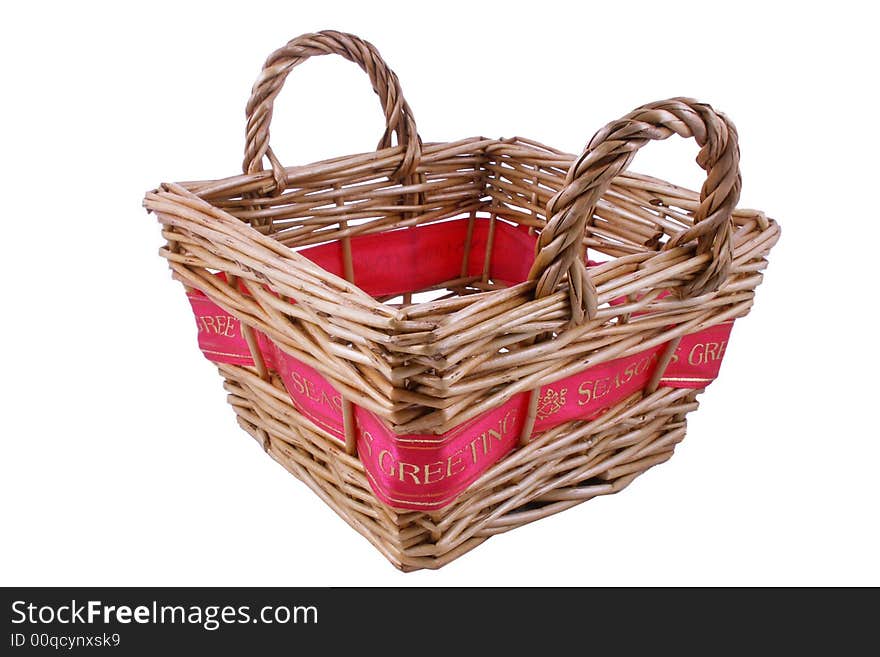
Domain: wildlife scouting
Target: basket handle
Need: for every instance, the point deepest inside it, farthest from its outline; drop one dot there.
(560, 246)
(398, 116)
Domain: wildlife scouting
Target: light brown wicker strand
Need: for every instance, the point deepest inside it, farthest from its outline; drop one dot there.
(662, 364)
(251, 340)
(466, 249)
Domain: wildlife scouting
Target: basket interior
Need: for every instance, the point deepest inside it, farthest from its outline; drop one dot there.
(466, 224)
(436, 260)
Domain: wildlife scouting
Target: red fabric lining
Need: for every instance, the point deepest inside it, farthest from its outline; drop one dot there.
(411, 259)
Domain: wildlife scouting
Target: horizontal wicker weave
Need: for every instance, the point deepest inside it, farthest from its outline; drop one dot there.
(426, 366)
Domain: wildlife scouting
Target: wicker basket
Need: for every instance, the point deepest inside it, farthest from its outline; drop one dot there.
(523, 378)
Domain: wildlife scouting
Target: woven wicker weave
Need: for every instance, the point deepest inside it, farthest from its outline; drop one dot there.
(427, 366)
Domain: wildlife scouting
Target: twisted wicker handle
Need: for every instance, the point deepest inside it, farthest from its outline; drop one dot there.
(398, 116)
(609, 153)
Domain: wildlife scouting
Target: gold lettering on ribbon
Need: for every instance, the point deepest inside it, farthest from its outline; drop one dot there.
(467, 456)
(410, 469)
(455, 464)
(592, 390)
(382, 455)
(217, 325)
(368, 441)
(305, 386)
(434, 472)
(707, 352)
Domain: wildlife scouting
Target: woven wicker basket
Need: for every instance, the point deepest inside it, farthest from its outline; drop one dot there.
(313, 270)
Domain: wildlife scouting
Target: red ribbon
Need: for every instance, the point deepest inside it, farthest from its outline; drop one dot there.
(427, 472)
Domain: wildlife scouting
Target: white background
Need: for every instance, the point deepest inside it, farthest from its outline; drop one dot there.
(123, 465)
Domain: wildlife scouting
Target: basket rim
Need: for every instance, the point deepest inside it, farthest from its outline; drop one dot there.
(384, 162)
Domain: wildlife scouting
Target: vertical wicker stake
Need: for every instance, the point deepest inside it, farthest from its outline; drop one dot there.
(347, 262)
(348, 423)
(534, 201)
(531, 414)
(665, 357)
(250, 338)
(417, 199)
(466, 249)
(490, 242)
(256, 354)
